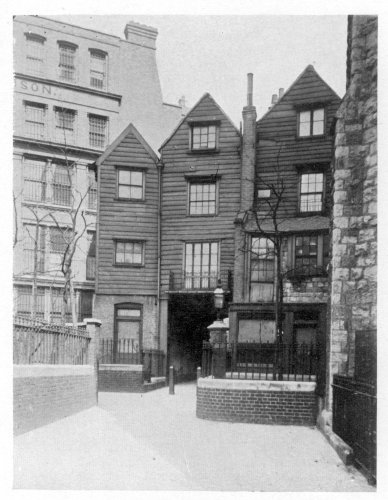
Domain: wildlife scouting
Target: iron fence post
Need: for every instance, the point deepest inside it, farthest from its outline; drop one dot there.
(171, 389)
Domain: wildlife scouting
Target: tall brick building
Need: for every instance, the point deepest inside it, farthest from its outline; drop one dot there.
(75, 90)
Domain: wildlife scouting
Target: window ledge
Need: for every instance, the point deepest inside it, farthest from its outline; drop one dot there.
(203, 151)
(129, 200)
(209, 216)
(43, 204)
(128, 265)
(310, 137)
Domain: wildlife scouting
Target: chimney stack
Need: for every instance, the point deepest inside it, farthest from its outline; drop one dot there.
(250, 89)
(140, 34)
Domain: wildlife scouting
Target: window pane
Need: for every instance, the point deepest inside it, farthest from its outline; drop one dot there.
(136, 193)
(304, 129)
(318, 114)
(137, 178)
(129, 313)
(124, 192)
(318, 128)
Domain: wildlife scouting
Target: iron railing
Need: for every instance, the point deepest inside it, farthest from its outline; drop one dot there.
(354, 420)
(188, 281)
(36, 341)
(128, 352)
(260, 361)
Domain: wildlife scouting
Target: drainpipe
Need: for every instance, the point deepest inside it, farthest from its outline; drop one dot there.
(160, 167)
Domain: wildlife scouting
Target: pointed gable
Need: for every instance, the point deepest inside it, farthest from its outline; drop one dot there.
(309, 89)
(205, 110)
(130, 141)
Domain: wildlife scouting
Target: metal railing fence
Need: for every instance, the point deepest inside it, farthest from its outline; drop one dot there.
(354, 420)
(36, 341)
(128, 352)
(261, 361)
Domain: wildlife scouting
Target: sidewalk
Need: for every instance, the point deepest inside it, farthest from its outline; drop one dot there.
(153, 441)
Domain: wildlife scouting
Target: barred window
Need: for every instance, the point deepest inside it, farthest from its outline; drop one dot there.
(35, 179)
(67, 56)
(98, 69)
(202, 198)
(35, 53)
(203, 137)
(311, 192)
(201, 265)
(130, 184)
(92, 195)
(91, 256)
(97, 131)
(57, 305)
(129, 253)
(59, 240)
(34, 243)
(61, 185)
(23, 304)
(35, 120)
(65, 125)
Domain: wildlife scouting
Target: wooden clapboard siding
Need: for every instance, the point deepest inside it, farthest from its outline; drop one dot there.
(280, 125)
(177, 226)
(127, 220)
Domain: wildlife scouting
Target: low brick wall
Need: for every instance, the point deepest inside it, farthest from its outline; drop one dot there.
(259, 402)
(121, 378)
(45, 393)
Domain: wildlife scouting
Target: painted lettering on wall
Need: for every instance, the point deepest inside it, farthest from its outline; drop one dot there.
(36, 87)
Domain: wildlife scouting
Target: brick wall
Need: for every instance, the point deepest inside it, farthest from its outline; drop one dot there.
(104, 308)
(289, 403)
(120, 378)
(45, 393)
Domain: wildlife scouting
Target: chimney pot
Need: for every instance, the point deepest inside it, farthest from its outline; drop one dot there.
(281, 92)
(250, 89)
(274, 99)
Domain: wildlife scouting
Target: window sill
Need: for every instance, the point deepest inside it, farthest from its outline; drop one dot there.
(209, 216)
(44, 204)
(128, 265)
(310, 137)
(311, 214)
(129, 200)
(203, 151)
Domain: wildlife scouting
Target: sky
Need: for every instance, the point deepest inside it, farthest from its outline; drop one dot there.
(214, 53)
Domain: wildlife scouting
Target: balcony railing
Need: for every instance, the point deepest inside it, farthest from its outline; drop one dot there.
(260, 361)
(185, 281)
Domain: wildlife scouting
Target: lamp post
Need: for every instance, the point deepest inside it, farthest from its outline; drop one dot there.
(219, 297)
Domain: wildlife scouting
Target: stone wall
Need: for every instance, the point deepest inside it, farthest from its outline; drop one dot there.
(354, 231)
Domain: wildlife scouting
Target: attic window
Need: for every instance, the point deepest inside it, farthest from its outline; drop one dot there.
(311, 122)
(203, 137)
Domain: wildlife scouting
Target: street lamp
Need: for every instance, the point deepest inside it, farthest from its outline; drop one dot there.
(219, 296)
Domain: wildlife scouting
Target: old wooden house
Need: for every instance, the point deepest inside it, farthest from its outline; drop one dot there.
(200, 199)
(285, 199)
(127, 242)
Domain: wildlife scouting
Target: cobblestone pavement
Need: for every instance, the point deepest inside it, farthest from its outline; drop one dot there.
(154, 441)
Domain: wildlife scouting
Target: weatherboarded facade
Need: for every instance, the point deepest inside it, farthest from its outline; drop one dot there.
(127, 236)
(290, 153)
(200, 198)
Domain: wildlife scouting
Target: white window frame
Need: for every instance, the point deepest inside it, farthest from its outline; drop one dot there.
(97, 74)
(311, 121)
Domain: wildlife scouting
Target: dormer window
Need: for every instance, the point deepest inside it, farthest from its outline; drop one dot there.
(203, 137)
(311, 122)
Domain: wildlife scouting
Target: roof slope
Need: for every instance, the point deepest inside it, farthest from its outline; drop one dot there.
(129, 130)
(205, 97)
(309, 86)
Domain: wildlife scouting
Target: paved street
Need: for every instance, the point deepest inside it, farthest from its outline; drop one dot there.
(154, 441)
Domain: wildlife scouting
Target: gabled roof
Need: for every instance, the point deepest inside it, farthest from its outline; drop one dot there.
(130, 129)
(205, 96)
(309, 69)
